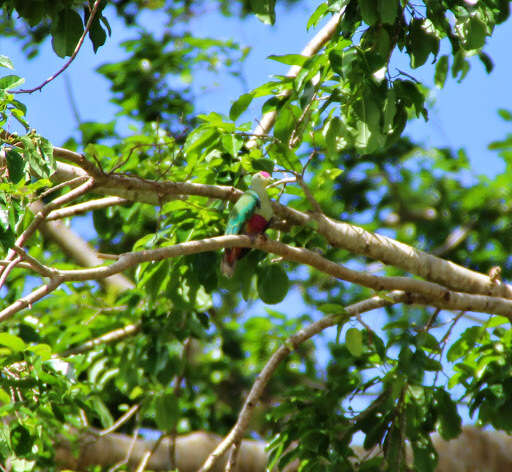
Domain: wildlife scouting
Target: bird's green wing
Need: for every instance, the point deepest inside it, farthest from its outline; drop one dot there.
(241, 212)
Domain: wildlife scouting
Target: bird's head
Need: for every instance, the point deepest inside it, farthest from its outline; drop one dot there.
(261, 179)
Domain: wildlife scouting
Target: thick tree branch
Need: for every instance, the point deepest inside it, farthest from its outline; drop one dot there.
(238, 430)
(339, 234)
(419, 291)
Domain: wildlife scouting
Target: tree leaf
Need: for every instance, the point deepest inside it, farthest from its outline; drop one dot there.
(9, 82)
(290, 59)
(21, 440)
(16, 165)
(264, 10)
(420, 43)
(475, 33)
(317, 15)
(441, 71)
(66, 33)
(272, 283)
(369, 11)
(97, 34)
(240, 105)
(448, 420)
(6, 62)
(388, 10)
(354, 341)
(166, 411)
(12, 341)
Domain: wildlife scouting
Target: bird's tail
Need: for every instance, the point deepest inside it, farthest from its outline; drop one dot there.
(227, 266)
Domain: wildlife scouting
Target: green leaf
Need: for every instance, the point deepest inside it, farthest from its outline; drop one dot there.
(154, 277)
(331, 308)
(9, 82)
(290, 59)
(240, 105)
(460, 65)
(101, 411)
(272, 283)
(67, 32)
(369, 11)
(441, 71)
(425, 456)
(475, 32)
(200, 138)
(388, 10)
(13, 342)
(285, 124)
(6, 62)
(16, 166)
(354, 341)
(420, 43)
(334, 131)
(389, 112)
(448, 420)
(166, 411)
(369, 137)
(486, 61)
(5, 398)
(264, 10)
(42, 350)
(232, 144)
(97, 34)
(317, 15)
(21, 440)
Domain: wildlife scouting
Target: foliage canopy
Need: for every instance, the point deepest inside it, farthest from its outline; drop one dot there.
(182, 344)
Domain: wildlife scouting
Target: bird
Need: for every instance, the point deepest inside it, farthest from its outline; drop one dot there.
(250, 215)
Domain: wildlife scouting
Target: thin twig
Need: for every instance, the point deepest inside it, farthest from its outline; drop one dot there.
(62, 185)
(129, 452)
(71, 59)
(110, 337)
(85, 207)
(267, 121)
(40, 216)
(34, 263)
(122, 420)
(233, 456)
(6, 270)
(29, 299)
(143, 462)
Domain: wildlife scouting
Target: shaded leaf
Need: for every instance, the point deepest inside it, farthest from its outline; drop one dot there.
(272, 283)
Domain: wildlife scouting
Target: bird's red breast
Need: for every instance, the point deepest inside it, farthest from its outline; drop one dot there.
(256, 225)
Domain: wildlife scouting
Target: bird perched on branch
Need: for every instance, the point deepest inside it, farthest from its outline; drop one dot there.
(250, 215)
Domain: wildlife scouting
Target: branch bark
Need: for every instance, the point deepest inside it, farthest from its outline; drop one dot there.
(339, 234)
(418, 291)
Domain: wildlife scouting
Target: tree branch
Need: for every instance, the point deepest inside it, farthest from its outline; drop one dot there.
(339, 234)
(110, 337)
(238, 430)
(85, 207)
(318, 41)
(419, 291)
(41, 212)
